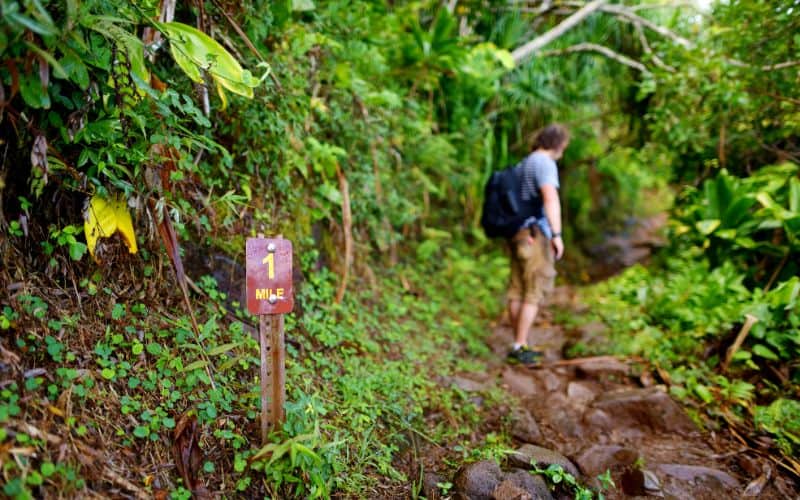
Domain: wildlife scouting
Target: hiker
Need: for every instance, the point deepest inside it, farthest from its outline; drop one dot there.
(537, 244)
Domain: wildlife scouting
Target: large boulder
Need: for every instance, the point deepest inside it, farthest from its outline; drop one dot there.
(650, 408)
(477, 481)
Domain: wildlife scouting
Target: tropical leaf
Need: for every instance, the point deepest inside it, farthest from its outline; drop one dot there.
(194, 50)
(707, 227)
(103, 218)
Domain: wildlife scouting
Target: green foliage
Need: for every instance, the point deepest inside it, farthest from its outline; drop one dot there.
(744, 219)
(727, 101)
(557, 477)
(781, 418)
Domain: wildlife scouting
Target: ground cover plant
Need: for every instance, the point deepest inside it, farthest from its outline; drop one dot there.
(365, 378)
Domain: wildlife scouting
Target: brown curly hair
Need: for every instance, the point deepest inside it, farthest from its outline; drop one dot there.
(551, 137)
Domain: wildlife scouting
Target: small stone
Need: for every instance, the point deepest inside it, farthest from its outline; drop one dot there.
(524, 426)
(530, 454)
(651, 483)
(507, 490)
(534, 485)
(477, 481)
(598, 458)
(695, 472)
(430, 485)
(518, 382)
(548, 380)
(466, 384)
(580, 393)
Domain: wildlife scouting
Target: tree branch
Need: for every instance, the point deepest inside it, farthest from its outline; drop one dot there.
(656, 60)
(626, 14)
(521, 53)
(783, 65)
(593, 47)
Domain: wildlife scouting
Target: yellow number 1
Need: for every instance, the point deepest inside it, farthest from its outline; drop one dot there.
(270, 259)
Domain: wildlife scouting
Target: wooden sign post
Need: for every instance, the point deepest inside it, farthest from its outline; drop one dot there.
(270, 295)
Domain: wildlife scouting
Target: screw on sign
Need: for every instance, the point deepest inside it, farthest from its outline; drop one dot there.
(269, 295)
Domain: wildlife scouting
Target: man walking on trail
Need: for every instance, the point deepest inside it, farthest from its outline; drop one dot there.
(538, 242)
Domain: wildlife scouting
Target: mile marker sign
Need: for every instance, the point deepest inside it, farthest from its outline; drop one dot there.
(269, 275)
(269, 295)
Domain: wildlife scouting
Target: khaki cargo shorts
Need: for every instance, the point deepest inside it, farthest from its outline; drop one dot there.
(533, 271)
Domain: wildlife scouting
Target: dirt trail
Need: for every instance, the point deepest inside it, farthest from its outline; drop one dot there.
(594, 416)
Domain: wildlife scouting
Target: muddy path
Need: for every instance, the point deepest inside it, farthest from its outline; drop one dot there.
(594, 416)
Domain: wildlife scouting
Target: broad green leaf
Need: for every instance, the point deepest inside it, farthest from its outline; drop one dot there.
(703, 393)
(194, 365)
(223, 348)
(770, 204)
(726, 234)
(103, 218)
(193, 47)
(303, 5)
(330, 193)
(764, 352)
(133, 46)
(191, 69)
(737, 211)
(707, 227)
(794, 195)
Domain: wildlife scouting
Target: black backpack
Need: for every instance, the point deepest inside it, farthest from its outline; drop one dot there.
(504, 211)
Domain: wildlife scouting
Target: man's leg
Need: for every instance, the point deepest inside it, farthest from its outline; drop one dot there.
(527, 314)
(513, 312)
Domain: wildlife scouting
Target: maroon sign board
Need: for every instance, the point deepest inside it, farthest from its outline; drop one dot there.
(269, 275)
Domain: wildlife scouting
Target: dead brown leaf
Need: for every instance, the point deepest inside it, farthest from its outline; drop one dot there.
(44, 72)
(39, 156)
(188, 456)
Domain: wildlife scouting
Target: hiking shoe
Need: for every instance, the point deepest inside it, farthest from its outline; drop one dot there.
(524, 356)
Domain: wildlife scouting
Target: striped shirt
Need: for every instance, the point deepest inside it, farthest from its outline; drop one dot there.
(537, 170)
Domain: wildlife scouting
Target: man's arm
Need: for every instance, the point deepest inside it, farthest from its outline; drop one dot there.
(552, 210)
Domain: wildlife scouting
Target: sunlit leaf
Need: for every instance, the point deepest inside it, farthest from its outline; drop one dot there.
(707, 227)
(194, 50)
(223, 348)
(764, 352)
(794, 194)
(303, 5)
(200, 363)
(703, 393)
(102, 218)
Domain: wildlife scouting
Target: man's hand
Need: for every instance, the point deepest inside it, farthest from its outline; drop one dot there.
(558, 247)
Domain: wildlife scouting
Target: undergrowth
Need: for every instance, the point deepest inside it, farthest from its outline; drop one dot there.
(366, 382)
(683, 317)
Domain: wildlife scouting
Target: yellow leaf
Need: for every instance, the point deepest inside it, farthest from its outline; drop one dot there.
(103, 218)
(222, 96)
